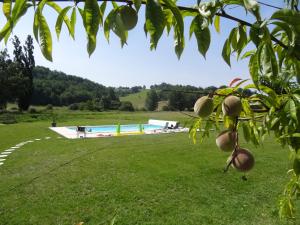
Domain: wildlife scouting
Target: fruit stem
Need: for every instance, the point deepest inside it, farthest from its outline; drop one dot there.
(228, 165)
(236, 145)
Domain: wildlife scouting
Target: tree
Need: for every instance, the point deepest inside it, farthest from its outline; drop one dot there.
(126, 106)
(151, 102)
(24, 58)
(4, 89)
(274, 59)
(12, 81)
(177, 101)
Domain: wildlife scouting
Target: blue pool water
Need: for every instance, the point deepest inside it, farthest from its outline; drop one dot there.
(124, 128)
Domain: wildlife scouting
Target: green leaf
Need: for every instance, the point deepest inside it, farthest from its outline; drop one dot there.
(115, 5)
(91, 20)
(254, 34)
(73, 21)
(168, 19)
(179, 26)
(291, 109)
(282, 26)
(36, 25)
(102, 11)
(60, 19)
(108, 23)
(45, 38)
(250, 4)
(270, 92)
(241, 39)
(155, 22)
(217, 23)
(246, 131)
(5, 30)
(137, 4)
(36, 22)
(179, 42)
(254, 69)
(267, 60)
(254, 133)
(225, 91)
(297, 97)
(202, 34)
(248, 54)
(246, 107)
(291, 17)
(114, 22)
(18, 7)
(296, 166)
(119, 29)
(229, 122)
(233, 38)
(226, 52)
(177, 15)
(6, 8)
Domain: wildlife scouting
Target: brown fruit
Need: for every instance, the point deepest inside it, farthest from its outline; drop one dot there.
(226, 140)
(232, 106)
(128, 16)
(204, 106)
(243, 160)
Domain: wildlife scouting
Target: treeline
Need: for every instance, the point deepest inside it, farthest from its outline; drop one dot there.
(178, 97)
(124, 91)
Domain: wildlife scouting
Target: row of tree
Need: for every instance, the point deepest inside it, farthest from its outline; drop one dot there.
(124, 91)
(178, 97)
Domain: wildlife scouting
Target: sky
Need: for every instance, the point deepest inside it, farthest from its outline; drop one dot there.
(135, 64)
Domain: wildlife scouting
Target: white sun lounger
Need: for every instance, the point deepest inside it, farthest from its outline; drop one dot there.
(164, 123)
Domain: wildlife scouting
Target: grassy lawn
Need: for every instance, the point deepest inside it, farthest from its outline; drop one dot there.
(137, 99)
(147, 179)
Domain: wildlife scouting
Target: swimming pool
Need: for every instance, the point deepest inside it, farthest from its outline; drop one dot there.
(123, 128)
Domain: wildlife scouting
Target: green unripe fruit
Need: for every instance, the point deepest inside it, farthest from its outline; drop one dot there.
(129, 17)
(226, 140)
(232, 106)
(243, 160)
(204, 106)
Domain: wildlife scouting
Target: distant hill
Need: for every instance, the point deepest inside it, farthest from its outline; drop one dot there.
(58, 88)
(137, 99)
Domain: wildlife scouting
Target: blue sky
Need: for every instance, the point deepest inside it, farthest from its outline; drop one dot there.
(135, 64)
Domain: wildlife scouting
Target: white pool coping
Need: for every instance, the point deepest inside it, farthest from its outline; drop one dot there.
(73, 134)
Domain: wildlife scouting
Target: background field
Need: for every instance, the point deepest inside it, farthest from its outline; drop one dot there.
(137, 99)
(146, 179)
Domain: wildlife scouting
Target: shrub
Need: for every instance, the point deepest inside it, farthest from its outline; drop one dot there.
(165, 108)
(126, 106)
(49, 107)
(7, 118)
(32, 110)
(74, 106)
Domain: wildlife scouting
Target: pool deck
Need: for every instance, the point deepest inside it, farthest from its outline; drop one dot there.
(73, 134)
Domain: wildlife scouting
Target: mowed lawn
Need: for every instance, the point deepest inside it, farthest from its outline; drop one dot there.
(146, 179)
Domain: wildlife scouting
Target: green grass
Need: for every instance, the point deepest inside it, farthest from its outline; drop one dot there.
(137, 99)
(146, 179)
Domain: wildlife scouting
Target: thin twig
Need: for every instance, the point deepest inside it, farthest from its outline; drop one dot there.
(266, 4)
